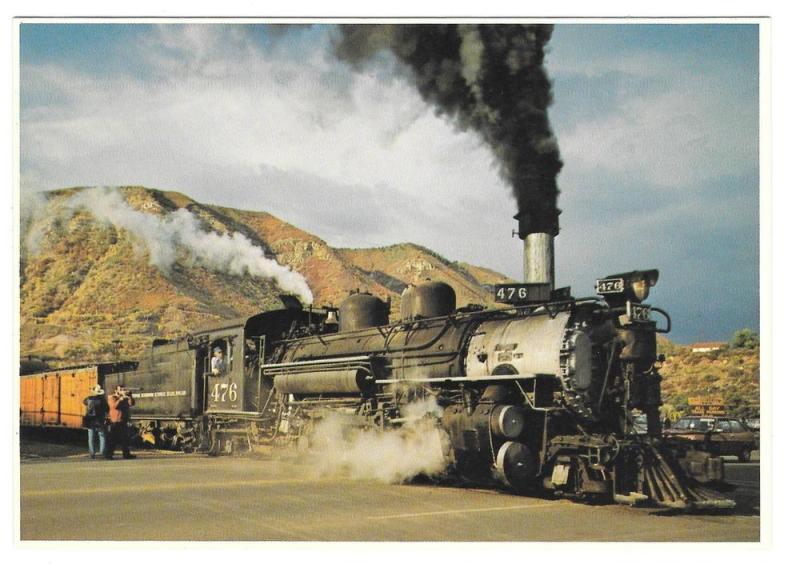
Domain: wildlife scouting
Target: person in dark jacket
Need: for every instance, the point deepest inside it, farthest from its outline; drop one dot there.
(119, 404)
(95, 418)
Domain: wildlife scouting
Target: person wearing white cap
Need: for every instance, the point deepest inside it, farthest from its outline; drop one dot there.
(218, 362)
(95, 418)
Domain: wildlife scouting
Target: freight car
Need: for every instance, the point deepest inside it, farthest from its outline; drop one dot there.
(539, 396)
(54, 398)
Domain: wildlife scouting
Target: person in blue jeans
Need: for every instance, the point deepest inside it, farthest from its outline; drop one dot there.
(95, 418)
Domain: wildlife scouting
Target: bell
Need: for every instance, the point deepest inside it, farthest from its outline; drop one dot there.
(331, 319)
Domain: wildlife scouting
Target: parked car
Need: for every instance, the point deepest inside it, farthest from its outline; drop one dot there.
(723, 436)
(753, 424)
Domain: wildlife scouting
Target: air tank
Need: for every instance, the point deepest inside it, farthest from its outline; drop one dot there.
(362, 310)
(429, 299)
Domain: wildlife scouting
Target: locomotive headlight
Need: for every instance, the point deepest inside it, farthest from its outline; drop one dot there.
(641, 289)
(641, 283)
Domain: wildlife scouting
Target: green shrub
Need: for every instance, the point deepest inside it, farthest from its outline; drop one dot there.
(744, 339)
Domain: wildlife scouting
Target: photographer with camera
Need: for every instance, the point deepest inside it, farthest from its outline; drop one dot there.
(119, 404)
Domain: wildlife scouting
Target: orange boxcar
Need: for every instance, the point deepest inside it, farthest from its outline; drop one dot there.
(55, 398)
(30, 403)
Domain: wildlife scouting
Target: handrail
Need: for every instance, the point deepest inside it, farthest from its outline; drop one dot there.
(668, 318)
(497, 378)
(342, 360)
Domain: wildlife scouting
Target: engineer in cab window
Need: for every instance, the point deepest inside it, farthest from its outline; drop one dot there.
(218, 362)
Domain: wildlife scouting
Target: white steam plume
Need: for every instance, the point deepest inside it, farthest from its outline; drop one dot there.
(338, 446)
(163, 234)
(33, 213)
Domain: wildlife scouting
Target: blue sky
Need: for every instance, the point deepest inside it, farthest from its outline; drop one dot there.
(658, 127)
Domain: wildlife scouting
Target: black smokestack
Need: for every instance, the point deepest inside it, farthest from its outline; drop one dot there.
(487, 78)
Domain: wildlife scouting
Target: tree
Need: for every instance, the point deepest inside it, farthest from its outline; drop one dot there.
(670, 413)
(744, 339)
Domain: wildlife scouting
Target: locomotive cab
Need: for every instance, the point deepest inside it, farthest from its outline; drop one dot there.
(244, 343)
(222, 353)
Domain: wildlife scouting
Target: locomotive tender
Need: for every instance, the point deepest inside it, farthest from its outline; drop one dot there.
(538, 396)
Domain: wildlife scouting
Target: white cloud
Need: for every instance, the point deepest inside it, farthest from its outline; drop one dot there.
(215, 107)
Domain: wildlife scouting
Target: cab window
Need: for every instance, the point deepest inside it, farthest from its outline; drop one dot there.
(724, 426)
(220, 357)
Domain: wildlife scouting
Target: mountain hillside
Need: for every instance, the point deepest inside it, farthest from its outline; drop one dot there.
(732, 373)
(93, 288)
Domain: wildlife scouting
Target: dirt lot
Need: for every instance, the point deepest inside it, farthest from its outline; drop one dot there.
(173, 496)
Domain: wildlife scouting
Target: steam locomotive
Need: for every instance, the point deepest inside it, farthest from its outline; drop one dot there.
(538, 395)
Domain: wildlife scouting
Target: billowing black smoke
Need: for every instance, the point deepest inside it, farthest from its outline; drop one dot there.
(487, 78)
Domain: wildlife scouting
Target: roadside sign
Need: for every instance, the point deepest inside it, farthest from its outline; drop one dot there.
(707, 405)
(706, 400)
